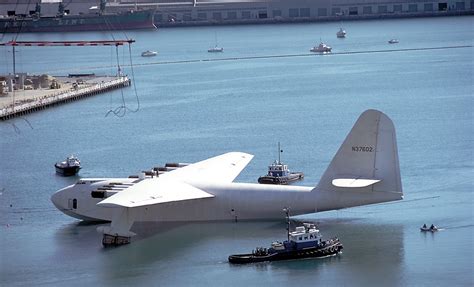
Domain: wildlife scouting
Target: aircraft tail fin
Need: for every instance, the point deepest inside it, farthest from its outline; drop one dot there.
(366, 163)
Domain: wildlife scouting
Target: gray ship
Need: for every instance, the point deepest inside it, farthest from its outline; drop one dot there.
(62, 22)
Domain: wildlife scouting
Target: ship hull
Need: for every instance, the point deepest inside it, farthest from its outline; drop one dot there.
(315, 252)
(77, 23)
(67, 171)
(294, 176)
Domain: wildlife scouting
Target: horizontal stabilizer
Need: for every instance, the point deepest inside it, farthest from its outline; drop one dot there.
(353, 182)
(154, 191)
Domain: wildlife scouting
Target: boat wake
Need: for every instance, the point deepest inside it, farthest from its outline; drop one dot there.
(457, 227)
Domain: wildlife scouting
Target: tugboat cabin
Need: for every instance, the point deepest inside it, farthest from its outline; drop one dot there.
(278, 169)
(305, 236)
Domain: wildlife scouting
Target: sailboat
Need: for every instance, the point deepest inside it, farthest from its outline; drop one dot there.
(341, 33)
(216, 48)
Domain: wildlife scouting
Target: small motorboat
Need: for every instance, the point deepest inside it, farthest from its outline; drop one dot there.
(70, 166)
(304, 242)
(393, 41)
(341, 33)
(215, 49)
(149, 53)
(322, 48)
(432, 228)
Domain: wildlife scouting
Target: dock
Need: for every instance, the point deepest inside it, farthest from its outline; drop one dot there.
(40, 100)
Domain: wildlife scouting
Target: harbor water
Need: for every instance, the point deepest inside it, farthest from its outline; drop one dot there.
(186, 105)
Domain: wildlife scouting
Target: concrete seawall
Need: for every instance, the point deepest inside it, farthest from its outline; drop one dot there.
(36, 104)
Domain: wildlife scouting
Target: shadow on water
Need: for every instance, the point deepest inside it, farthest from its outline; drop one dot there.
(163, 247)
(374, 247)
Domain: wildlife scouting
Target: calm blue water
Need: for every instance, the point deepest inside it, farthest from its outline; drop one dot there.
(192, 111)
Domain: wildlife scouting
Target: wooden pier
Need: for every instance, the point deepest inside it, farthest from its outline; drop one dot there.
(36, 104)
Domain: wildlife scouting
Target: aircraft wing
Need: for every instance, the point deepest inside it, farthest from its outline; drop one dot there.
(154, 191)
(223, 168)
(172, 186)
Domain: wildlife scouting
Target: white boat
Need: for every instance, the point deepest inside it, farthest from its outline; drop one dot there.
(215, 49)
(322, 48)
(393, 41)
(341, 33)
(149, 53)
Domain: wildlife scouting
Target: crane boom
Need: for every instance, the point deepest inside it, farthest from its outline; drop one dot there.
(68, 43)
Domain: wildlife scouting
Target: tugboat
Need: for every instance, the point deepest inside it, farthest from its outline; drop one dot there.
(70, 166)
(304, 242)
(278, 173)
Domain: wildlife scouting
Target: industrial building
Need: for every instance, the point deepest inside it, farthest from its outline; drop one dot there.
(217, 12)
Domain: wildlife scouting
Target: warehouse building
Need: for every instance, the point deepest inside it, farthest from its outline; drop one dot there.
(217, 12)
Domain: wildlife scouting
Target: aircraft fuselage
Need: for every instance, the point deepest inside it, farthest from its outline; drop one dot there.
(232, 201)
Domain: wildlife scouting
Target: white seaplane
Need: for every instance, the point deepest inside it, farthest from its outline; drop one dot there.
(365, 170)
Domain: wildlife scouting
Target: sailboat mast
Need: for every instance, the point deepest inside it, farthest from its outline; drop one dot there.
(14, 61)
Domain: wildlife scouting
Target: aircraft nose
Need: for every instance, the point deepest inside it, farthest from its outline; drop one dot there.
(57, 199)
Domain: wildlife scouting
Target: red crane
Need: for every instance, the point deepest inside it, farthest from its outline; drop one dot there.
(68, 43)
(15, 43)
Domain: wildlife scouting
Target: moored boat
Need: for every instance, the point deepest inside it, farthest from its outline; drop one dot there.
(304, 242)
(149, 53)
(215, 49)
(341, 33)
(70, 166)
(321, 48)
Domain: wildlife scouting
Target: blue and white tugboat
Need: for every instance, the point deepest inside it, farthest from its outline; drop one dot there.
(70, 166)
(278, 173)
(304, 242)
